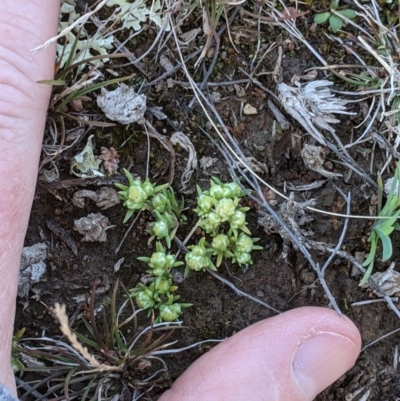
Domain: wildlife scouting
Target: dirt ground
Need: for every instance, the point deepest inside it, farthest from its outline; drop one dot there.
(284, 284)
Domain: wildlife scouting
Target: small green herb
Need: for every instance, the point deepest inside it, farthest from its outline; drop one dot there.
(335, 21)
(382, 228)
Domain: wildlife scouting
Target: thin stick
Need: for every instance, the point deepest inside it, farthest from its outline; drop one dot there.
(282, 121)
(380, 339)
(240, 292)
(128, 231)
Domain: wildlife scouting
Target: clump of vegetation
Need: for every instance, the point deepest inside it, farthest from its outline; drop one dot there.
(159, 294)
(221, 217)
(382, 228)
(335, 21)
(224, 220)
(99, 351)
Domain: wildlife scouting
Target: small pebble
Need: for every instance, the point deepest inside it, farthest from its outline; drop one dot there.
(210, 52)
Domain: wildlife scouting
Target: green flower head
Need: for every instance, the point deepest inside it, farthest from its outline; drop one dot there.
(158, 260)
(159, 202)
(216, 191)
(232, 190)
(226, 208)
(164, 285)
(205, 203)
(220, 242)
(243, 258)
(136, 196)
(211, 222)
(244, 244)
(237, 220)
(160, 229)
(170, 313)
(144, 298)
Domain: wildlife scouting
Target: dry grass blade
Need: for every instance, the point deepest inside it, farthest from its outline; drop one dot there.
(60, 313)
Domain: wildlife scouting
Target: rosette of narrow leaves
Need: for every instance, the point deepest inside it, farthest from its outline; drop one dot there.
(238, 222)
(160, 202)
(158, 296)
(171, 310)
(135, 195)
(242, 246)
(164, 227)
(210, 223)
(145, 297)
(383, 228)
(165, 202)
(163, 285)
(218, 190)
(198, 258)
(220, 247)
(175, 207)
(205, 203)
(226, 208)
(160, 262)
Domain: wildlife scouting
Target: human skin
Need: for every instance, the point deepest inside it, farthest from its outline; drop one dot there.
(292, 356)
(24, 24)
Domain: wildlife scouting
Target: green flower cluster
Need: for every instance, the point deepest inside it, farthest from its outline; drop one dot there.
(136, 195)
(220, 204)
(160, 200)
(224, 220)
(159, 294)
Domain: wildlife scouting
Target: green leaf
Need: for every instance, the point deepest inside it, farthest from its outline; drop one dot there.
(371, 255)
(322, 17)
(387, 249)
(120, 186)
(245, 229)
(91, 88)
(54, 82)
(384, 224)
(350, 14)
(160, 187)
(335, 22)
(387, 230)
(128, 215)
(367, 274)
(129, 176)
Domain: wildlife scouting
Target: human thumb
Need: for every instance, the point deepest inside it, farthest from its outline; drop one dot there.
(292, 356)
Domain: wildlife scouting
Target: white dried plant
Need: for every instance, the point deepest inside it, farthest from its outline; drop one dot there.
(82, 45)
(134, 13)
(313, 105)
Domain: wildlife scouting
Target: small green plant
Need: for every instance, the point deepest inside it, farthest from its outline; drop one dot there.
(382, 228)
(16, 363)
(220, 215)
(104, 346)
(224, 220)
(137, 195)
(159, 294)
(335, 21)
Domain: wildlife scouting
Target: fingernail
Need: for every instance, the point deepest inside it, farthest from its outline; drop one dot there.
(321, 360)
